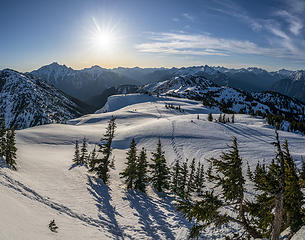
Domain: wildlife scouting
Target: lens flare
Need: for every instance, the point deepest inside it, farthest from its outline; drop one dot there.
(103, 38)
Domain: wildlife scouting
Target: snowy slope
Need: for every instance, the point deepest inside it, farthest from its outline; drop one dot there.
(28, 101)
(227, 99)
(47, 186)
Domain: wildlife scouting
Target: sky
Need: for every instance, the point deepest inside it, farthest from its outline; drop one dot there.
(161, 33)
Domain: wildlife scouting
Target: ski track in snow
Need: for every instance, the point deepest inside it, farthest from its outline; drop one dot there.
(172, 141)
(113, 212)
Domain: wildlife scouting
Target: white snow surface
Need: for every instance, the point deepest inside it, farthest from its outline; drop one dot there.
(47, 186)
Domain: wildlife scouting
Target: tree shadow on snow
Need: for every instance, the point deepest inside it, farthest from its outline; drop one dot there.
(73, 166)
(3, 163)
(108, 213)
(152, 218)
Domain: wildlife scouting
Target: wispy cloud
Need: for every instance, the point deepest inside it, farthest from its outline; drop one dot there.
(295, 23)
(188, 16)
(230, 8)
(198, 44)
(205, 44)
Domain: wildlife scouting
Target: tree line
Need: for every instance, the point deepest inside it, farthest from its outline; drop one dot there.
(8, 145)
(99, 160)
(277, 203)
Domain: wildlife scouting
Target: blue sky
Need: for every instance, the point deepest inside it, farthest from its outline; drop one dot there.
(268, 34)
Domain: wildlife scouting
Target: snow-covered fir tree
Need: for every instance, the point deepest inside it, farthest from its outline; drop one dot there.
(2, 137)
(83, 152)
(176, 172)
(92, 158)
(101, 164)
(226, 174)
(141, 170)
(10, 149)
(199, 179)
(183, 179)
(159, 170)
(130, 172)
(278, 205)
(76, 157)
(191, 180)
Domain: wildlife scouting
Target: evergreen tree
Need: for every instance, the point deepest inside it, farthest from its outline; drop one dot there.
(197, 116)
(183, 179)
(10, 149)
(84, 152)
(52, 226)
(233, 118)
(130, 172)
(293, 196)
(191, 180)
(2, 137)
(76, 158)
(210, 117)
(220, 118)
(101, 165)
(302, 173)
(176, 177)
(92, 158)
(224, 118)
(159, 170)
(279, 204)
(249, 173)
(227, 175)
(199, 179)
(141, 178)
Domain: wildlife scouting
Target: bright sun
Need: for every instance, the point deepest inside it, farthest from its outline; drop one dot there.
(104, 40)
(103, 37)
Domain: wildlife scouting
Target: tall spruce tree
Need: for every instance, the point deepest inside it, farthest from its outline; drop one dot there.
(76, 157)
(183, 179)
(101, 164)
(220, 118)
(2, 137)
(176, 172)
(191, 180)
(141, 170)
(10, 149)
(159, 170)
(130, 172)
(293, 196)
(227, 175)
(278, 192)
(302, 174)
(279, 202)
(199, 179)
(83, 152)
(92, 158)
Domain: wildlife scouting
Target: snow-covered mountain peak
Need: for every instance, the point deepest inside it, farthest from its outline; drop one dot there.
(299, 76)
(179, 83)
(26, 101)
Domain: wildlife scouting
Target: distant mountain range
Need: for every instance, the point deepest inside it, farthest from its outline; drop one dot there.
(26, 101)
(90, 82)
(228, 99)
(43, 96)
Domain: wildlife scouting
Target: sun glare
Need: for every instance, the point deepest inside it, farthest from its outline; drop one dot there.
(104, 40)
(103, 37)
